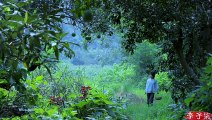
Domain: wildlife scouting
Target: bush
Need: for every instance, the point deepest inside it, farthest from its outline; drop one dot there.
(98, 105)
(43, 106)
(163, 80)
(145, 58)
(111, 79)
(200, 99)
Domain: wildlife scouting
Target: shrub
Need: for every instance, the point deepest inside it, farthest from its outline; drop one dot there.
(145, 58)
(163, 80)
(200, 99)
(98, 105)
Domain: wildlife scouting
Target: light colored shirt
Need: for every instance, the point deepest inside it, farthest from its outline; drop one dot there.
(151, 86)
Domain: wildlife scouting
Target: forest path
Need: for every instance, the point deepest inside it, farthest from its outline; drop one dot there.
(137, 109)
(134, 99)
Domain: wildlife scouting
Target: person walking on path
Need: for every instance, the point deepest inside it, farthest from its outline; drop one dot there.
(151, 87)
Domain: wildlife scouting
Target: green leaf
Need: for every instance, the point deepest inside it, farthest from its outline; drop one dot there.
(39, 78)
(15, 17)
(48, 70)
(188, 100)
(209, 61)
(26, 17)
(108, 102)
(14, 23)
(56, 52)
(3, 92)
(208, 69)
(45, 83)
(72, 96)
(3, 81)
(82, 103)
(21, 4)
(33, 86)
(61, 35)
(73, 113)
(24, 117)
(72, 43)
(32, 19)
(52, 111)
(39, 110)
(67, 46)
(25, 64)
(40, 96)
(16, 118)
(7, 9)
(61, 95)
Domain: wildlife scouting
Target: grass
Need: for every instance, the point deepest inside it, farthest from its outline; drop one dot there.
(141, 111)
(137, 109)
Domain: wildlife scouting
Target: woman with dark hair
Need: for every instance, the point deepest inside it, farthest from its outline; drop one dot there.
(151, 87)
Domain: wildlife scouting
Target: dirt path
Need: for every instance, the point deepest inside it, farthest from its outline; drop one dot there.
(134, 99)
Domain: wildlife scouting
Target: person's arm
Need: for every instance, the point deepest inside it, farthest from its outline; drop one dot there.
(147, 84)
(156, 86)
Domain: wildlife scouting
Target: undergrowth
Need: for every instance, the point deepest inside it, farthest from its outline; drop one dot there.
(141, 111)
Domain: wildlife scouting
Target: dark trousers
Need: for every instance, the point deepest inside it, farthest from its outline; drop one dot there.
(150, 98)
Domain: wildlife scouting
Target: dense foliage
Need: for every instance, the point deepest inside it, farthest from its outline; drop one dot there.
(172, 36)
(200, 99)
(182, 28)
(30, 37)
(146, 57)
(64, 96)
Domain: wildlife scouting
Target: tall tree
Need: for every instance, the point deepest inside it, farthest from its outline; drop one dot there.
(30, 36)
(183, 28)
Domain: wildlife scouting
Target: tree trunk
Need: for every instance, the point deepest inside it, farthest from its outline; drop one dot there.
(179, 51)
